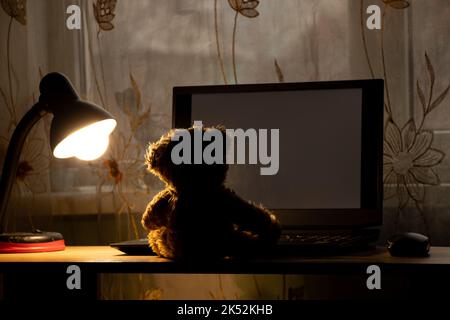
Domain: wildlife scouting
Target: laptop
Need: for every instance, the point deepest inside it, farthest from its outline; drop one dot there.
(327, 191)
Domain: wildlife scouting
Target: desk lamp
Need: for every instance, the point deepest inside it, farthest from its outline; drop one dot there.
(79, 129)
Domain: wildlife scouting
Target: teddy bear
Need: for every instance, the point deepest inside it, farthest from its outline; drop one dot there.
(196, 215)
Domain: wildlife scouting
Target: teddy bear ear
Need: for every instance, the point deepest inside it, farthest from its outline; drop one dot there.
(151, 155)
(156, 150)
(220, 127)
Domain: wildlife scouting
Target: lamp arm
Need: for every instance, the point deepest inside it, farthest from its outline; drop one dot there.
(12, 158)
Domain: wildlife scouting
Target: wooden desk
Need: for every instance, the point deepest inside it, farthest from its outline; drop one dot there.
(103, 259)
(20, 269)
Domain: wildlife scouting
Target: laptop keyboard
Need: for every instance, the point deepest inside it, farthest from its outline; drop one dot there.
(336, 239)
(291, 242)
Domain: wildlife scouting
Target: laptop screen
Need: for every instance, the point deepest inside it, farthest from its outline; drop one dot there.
(319, 159)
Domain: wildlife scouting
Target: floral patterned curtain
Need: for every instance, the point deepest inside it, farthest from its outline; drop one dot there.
(129, 54)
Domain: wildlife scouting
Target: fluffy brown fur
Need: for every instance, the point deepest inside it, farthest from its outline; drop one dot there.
(196, 215)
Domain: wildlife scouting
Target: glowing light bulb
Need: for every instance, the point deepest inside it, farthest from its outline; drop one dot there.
(87, 143)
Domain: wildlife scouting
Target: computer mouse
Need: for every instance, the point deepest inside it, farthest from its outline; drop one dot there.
(409, 244)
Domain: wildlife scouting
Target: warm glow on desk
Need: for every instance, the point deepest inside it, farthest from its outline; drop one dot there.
(87, 143)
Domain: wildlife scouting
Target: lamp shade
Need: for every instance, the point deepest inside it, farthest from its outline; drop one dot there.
(79, 128)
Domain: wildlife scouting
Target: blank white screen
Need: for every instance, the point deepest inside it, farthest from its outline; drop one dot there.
(320, 145)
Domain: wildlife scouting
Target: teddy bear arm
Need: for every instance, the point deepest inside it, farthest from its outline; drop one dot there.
(255, 219)
(158, 210)
(261, 222)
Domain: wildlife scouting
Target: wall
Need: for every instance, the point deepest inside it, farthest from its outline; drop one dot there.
(130, 62)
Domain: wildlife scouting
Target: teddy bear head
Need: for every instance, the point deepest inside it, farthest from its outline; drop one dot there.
(185, 176)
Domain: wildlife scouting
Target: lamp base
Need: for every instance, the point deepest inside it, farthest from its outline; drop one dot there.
(26, 242)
